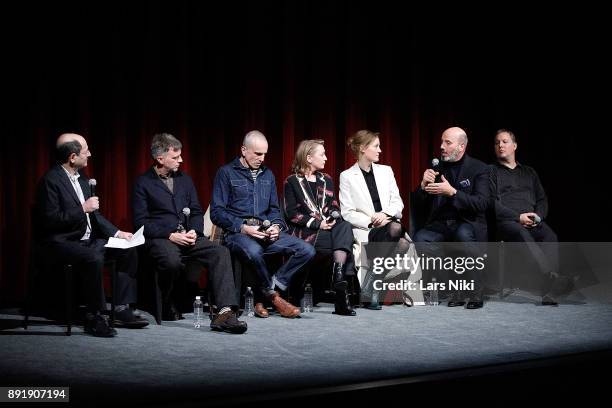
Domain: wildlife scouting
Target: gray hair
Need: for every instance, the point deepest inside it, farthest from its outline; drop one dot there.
(64, 151)
(250, 137)
(162, 143)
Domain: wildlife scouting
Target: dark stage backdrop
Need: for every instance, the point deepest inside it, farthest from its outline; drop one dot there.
(118, 73)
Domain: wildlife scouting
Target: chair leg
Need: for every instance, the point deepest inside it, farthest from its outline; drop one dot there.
(237, 268)
(31, 279)
(28, 305)
(158, 298)
(501, 270)
(113, 273)
(69, 297)
(210, 305)
(26, 316)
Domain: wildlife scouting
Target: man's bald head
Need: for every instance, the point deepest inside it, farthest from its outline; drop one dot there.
(251, 138)
(72, 149)
(69, 137)
(457, 133)
(254, 149)
(454, 143)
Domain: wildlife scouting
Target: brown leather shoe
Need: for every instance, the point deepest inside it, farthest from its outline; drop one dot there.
(260, 310)
(283, 307)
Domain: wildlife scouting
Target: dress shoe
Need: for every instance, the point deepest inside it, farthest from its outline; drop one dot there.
(373, 306)
(456, 298)
(548, 300)
(227, 322)
(283, 307)
(560, 286)
(126, 318)
(260, 310)
(98, 326)
(476, 304)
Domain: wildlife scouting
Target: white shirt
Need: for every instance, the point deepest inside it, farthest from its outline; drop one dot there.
(74, 179)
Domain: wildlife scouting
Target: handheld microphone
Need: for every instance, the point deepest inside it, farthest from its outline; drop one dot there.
(264, 226)
(92, 186)
(186, 213)
(435, 166)
(333, 216)
(535, 218)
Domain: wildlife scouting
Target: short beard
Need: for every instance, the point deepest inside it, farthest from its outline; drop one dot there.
(452, 157)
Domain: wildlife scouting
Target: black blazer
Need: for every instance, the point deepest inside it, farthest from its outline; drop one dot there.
(160, 211)
(58, 213)
(471, 200)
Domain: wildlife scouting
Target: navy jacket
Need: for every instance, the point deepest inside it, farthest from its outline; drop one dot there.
(58, 213)
(160, 211)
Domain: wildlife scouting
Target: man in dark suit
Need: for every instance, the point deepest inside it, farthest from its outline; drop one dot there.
(166, 202)
(70, 227)
(456, 205)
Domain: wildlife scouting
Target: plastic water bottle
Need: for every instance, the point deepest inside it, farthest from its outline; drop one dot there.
(249, 308)
(433, 294)
(307, 300)
(198, 312)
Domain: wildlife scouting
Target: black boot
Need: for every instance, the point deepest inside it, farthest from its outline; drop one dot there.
(342, 305)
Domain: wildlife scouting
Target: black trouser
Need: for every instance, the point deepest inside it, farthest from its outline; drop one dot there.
(546, 256)
(382, 234)
(453, 231)
(170, 259)
(340, 237)
(87, 257)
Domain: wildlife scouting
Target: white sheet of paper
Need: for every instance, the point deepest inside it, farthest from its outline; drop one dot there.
(121, 243)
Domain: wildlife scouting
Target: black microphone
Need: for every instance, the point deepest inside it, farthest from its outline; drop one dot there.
(536, 219)
(92, 186)
(333, 216)
(264, 226)
(186, 212)
(435, 166)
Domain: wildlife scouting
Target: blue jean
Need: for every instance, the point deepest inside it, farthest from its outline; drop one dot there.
(253, 250)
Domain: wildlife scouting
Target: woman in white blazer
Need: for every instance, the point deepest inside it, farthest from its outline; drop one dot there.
(370, 201)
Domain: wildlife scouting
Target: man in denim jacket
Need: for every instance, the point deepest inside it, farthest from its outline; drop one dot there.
(244, 201)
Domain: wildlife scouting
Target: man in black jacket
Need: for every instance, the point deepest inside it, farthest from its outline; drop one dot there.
(165, 201)
(521, 206)
(455, 205)
(70, 228)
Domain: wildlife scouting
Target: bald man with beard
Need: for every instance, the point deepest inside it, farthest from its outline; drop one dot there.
(455, 206)
(70, 228)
